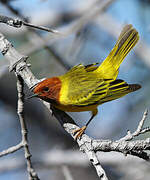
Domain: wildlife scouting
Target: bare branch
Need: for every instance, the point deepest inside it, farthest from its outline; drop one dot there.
(96, 163)
(20, 84)
(11, 149)
(126, 147)
(24, 142)
(84, 143)
(18, 23)
(139, 129)
(89, 145)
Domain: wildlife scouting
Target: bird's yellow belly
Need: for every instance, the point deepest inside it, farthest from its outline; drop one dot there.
(70, 108)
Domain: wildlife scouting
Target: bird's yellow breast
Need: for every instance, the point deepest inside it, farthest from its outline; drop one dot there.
(63, 92)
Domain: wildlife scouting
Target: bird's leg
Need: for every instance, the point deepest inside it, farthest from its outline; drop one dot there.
(80, 131)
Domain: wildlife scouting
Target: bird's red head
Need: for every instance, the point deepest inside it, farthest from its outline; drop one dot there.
(49, 89)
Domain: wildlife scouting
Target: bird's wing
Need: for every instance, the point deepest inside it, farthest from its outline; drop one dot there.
(82, 87)
(91, 67)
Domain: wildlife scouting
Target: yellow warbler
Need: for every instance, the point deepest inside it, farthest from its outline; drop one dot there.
(83, 88)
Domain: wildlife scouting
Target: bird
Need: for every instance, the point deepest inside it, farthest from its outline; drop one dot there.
(85, 87)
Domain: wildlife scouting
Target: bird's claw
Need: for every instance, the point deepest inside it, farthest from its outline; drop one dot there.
(79, 132)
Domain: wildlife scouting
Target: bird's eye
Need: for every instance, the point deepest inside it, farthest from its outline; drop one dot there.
(46, 89)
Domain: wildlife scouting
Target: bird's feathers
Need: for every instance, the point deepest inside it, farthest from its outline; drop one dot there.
(126, 41)
(87, 88)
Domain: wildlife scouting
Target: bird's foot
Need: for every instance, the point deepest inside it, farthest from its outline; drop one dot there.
(79, 132)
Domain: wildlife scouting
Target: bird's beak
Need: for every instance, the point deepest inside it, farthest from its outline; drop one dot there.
(32, 96)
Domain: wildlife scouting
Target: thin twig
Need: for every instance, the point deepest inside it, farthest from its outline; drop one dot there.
(139, 129)
(32, 174)
(41, 28)
(11, 149)
(141, 123)
(39, 38)
(18, 23)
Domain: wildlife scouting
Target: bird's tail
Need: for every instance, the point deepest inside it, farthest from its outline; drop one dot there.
(119, 88)
(126, 41)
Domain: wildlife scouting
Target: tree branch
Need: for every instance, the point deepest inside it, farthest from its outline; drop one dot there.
(11, 149)
(139, 129)
(20, 84)
(19, 23)
(20, 110)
